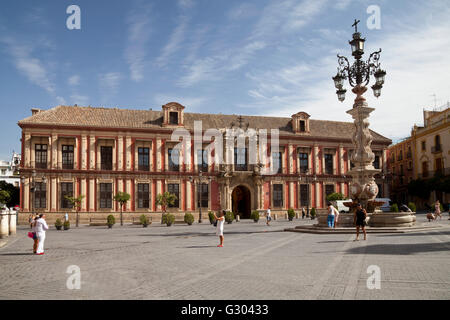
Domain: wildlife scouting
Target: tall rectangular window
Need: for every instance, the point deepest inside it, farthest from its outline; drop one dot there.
(67, 157)
(329, 189)
(277, 158)
(174, 159)
(40, 153)
(66, 190)
(202, 160)
(143, 195)
(425, 169)
(143, 159)
(304, 162)
(105, 195)
(302, 126)
(240, 159)
(174, 188)
(278, 195)
(376, 162)
(106, 154)
(328, 163)
(40, 195)
(304, 200)
(204, 195)
(173, 117)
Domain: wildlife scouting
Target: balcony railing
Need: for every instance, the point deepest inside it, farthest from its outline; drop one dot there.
(436, 148)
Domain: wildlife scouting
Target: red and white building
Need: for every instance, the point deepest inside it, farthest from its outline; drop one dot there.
(97, 152)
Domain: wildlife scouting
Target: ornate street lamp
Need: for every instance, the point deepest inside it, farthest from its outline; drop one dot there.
(359, 73)
(363, 188)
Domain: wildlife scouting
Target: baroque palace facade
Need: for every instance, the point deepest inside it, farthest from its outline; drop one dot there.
(97, 152)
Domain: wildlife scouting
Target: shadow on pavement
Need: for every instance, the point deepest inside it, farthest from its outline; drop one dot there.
(400, 249)
(17, 254)
(416, 234)
(207, 234)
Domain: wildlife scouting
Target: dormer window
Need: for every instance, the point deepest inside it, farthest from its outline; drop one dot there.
(173, 114)
(300, 123)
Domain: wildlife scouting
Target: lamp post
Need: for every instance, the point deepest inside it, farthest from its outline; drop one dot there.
(363, 188)
(199, 182)
(308, 179)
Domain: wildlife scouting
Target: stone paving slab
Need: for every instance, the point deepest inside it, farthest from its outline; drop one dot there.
(257, 262)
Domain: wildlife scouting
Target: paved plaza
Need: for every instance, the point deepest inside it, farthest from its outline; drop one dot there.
(257, 262)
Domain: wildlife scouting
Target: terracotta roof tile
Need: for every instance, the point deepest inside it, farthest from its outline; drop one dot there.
(147, 119)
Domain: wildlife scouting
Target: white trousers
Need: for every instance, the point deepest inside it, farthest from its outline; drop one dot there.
(41, 238)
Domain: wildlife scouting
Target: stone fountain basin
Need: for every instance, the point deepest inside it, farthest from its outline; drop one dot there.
(378, 219)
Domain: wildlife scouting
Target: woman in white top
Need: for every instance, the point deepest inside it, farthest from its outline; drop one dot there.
(220, 222)
(269, 218)
(40, 227)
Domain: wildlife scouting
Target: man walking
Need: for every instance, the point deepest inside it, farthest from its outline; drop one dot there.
(268, 217)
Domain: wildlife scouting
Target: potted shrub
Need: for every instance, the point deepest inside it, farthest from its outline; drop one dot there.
(110, 221)
(169, 219)
(394, 208)
(255, 215)
(229, 217)
(66, 225)
(412, 206)
(211, 217)
(58, 224)
(313, 213)
(144, 220)
(189, 218)
(291, 214)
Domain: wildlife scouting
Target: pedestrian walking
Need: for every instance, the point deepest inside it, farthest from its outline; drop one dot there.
(33, 232)
(336, 216)
(41, 226)
(331, 215)
(220, 222)
(303, 213)
(437, 210)
(359, 219)
(268, 216)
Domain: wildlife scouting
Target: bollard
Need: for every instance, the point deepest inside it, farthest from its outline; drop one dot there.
(4, 224)
(238, 218)
(12, 222)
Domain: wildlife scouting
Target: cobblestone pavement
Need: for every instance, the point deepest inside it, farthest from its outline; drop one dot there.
(257, 262)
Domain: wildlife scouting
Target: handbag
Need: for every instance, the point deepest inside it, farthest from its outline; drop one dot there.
(30, 235)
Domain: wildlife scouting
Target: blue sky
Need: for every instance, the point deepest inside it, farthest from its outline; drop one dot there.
(261, 57)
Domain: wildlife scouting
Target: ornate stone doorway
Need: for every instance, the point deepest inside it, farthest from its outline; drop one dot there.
(241, 201)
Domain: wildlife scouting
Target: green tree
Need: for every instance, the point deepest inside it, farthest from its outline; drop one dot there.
(122, 198)
(76, 203)
(4, 197)
(14, 193)
(335, 196)
(165, 199)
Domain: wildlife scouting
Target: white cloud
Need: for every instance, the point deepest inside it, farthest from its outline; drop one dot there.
(175, 41)
(74, 80)
(31, 67)
(110, 80)
(79, 100)
(414, 56)
(139, 29)
(186, 3)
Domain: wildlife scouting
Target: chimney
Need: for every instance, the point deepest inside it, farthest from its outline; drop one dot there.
(35, 111)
